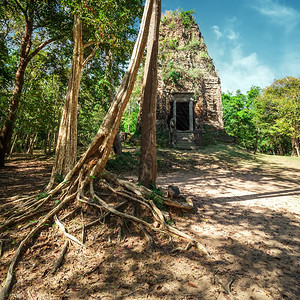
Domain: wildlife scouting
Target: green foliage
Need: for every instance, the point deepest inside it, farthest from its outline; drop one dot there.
(172, 25)
(193, 45)
(187, 18)
(58, 178)
(267, 120)
(156, 196)
(113, 23)
(170, 74)
(42, 195)
(172, 43)
(174, 76)
(278, 114)
(238, 118)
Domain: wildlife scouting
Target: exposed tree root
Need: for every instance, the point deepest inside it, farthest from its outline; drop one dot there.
(60, 257)
(10, 273)
(69, 236)
(81, 189)
(227, 289)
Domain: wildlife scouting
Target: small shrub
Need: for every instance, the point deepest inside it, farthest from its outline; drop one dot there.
(203, 54)
(172, 43)
(174, 76)
(156, 196)
(172, 25)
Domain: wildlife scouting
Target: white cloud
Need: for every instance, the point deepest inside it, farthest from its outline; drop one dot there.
(278, 13)
(242, 71)
(231, 34)
(217, 31)
(228, 31)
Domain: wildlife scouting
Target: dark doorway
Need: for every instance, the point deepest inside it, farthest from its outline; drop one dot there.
(182, 116)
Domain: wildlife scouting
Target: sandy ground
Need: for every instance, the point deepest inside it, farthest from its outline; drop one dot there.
(247, 215)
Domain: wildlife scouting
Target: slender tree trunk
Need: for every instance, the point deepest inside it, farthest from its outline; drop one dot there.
(66, 147)
(148, 158)
(26, 143)
(13, 145)
(31, 145)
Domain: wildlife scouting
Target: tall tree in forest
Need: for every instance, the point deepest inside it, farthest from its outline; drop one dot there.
(66, 147)
(148, 158)
(103, 23)
(40, 19)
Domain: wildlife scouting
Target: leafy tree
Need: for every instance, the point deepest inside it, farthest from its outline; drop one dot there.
(279, 113)
(39, 20)
(238, 114)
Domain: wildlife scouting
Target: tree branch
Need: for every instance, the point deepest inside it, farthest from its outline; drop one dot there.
(89, 44)
(21, 7)
(40, 47)
(91, 55)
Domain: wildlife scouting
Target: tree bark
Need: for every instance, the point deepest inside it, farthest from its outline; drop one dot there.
(148, 157)
(66, 147)
(31, 144)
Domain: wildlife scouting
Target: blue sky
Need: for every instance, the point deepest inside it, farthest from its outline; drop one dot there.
(252, 42)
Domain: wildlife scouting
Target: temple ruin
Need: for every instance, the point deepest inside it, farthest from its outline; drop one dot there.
(189, 103)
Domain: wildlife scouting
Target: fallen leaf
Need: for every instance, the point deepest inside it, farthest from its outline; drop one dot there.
(192, 284)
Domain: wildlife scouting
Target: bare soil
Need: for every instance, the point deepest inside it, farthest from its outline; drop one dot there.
(247, 213)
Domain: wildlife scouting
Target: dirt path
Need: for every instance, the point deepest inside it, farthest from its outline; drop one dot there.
(247, 213)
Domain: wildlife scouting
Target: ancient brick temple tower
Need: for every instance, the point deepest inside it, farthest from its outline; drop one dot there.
(189, 100)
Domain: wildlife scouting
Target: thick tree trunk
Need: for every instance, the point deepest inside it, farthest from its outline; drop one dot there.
(7, 129)
(148, 158)
(66, 147)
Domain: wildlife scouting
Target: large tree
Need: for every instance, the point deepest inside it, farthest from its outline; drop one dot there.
(40, 19)
(148, 157)
(105, 25)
